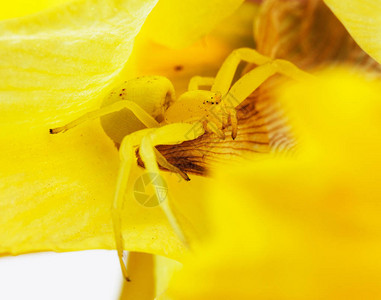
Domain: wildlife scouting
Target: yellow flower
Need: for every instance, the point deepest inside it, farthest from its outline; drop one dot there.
(306, 227)
(298, 31)
(56, 191)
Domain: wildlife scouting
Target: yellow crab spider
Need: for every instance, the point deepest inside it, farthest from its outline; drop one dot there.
(145, 114)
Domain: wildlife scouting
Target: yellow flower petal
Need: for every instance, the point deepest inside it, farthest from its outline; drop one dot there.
(56, 190)
(306, 227)
(202, 58)
(150, 275)
(319, 122)
(19, 8)
(164, 270)
(56, 195)
(308, 34)
(65, 58)
(180, 23)
(362, 18)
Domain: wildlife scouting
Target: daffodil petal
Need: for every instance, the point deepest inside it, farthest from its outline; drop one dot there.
(180, 23)
(362, 18)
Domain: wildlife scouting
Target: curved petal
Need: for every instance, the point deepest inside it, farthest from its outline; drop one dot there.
(202, 58)
(177, 24)
(362, 18)
(308, 34)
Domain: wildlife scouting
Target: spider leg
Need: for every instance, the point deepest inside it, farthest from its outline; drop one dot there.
(248, 83)
(234, 121)
(164, 163)
(226, 73)
(139, 112)
(197, 81)
(127, 158)
(170, 134)
(148, 156)
(211, 126)
(148, 138)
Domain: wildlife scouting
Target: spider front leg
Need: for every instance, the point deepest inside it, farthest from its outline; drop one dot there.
(147, 139)
(226, 73)
(167, 135)
(127, 158)
(162, 161)
(140, 113)
(145, 98)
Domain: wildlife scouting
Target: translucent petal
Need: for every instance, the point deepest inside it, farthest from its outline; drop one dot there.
(164, 270)
(308, 34)
(362, 18)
